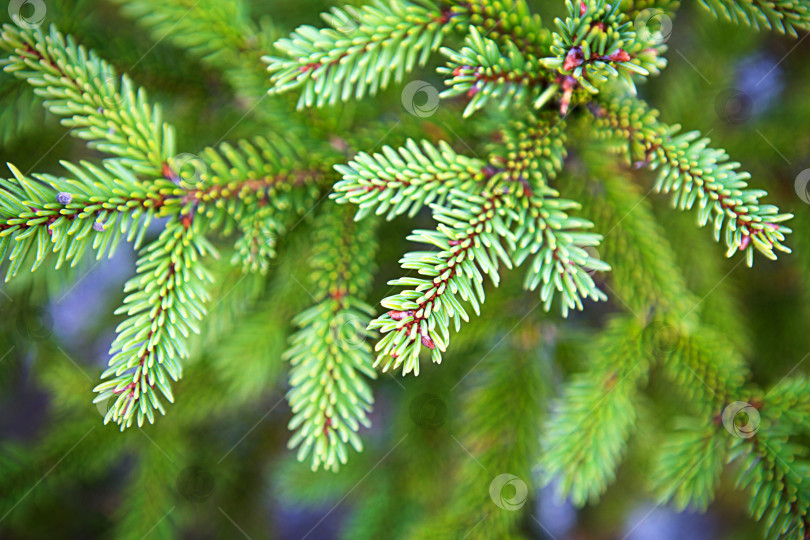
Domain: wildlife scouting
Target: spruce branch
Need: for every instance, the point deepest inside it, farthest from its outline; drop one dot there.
(789, 401)
(329, 396)
(530, 154)
(687, 469)
(508, 21)
(771, 467)
(256, 247)
(471, 229)
(112, 114)
(99, 206)
(557, 241)
(482, 72)
(516, 207)
(406, 179)
(695, 173)
(96, 207)
(705, 369)
(257, 186)
(784, 16)
(653, 8)
(587, 433)
(361, 52)
(707, 373)
(164, 306)
(596, 44)
(500, 210)
(263, 168)
(530, 151)
(775, 472)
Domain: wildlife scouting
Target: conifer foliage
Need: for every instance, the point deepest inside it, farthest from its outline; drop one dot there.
(557, 129)
(98, 206)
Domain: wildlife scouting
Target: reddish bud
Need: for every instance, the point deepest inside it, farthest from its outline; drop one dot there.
(619, 56)
(744, 242)
(427, 342)
(309, 67)
(399, 315)
(573, 59)
(583, 8)
(564, 103)
(168, 173)
(457, 71)
(338, 294)
(568, 85)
